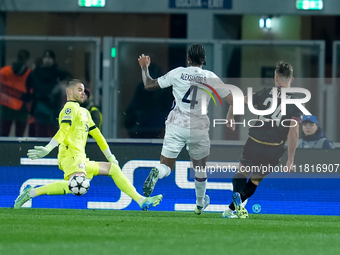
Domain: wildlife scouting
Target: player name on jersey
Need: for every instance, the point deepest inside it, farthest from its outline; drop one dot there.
(193, 78)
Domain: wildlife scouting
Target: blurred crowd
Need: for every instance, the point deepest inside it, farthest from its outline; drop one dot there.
(31, 96)
(31, 99)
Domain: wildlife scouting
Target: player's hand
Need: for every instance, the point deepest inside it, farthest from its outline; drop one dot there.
(290, 165)
(231, 124)
(113, 160)
(144, 61)
(38, 152)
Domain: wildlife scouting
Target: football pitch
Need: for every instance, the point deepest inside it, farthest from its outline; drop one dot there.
(77, 232)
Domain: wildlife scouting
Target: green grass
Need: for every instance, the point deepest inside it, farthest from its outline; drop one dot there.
(77, 232)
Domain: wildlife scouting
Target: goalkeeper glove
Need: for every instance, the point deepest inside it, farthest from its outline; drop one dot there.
(39, 152)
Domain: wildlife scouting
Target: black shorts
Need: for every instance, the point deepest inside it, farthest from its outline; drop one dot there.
(257, 154)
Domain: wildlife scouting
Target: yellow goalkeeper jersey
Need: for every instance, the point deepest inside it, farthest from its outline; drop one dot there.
(75, 124)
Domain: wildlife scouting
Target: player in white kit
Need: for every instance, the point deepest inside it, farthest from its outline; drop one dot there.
(185, 124)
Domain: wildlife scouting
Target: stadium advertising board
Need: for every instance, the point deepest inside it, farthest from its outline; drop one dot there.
(307, 192)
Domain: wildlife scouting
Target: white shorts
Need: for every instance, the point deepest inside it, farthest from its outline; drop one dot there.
(197, 142)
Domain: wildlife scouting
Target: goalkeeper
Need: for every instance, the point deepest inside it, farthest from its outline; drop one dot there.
(75, 124)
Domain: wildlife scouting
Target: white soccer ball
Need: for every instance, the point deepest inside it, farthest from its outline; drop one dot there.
(79, 184)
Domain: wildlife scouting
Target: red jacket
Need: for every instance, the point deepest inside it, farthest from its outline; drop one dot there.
(12, 87)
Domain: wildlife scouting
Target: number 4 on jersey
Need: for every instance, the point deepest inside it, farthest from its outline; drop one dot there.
(193, 100)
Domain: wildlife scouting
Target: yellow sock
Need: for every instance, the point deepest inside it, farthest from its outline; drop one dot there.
(123, 183)
(55, 188)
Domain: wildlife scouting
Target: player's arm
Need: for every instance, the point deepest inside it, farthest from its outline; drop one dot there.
(292, 139)
(149, 82)
(246, 100)
(66, 118)
(97, 135)
(229, 99)
(42, 151)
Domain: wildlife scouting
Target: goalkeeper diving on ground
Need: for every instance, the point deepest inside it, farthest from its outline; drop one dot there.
(75, 123)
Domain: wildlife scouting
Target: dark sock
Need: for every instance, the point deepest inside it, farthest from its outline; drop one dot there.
(239, 182)
(248, 190)
(246, 193)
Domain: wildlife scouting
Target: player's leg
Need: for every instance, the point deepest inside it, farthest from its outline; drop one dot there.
(240, 178)
(239, 182)
(70, 166)
(202, 199)
(55, 188)
(174, 141)
(244, 194)
(269, 156)
(158, 172)
(247, 159)
(251, 186)
(122, 182)
(198, 147)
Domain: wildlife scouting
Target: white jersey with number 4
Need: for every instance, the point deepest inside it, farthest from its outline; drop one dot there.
(188, 86)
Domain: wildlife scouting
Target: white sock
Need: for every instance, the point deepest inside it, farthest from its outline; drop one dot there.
(200, 188)
(33, 193)
(141, 200)
(163, 170)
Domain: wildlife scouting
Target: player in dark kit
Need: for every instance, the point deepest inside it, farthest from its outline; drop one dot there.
(266, 143)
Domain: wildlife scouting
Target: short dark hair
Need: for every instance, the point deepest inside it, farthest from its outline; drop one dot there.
(284, 69)
(196, 53)
(73, 82)
(23, 56)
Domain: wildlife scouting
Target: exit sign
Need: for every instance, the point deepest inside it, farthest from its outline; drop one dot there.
(309, 4)
(91, 3)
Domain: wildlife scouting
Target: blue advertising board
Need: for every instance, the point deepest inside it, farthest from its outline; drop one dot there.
(313, 196)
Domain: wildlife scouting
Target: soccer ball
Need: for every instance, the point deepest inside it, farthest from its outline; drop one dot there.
(79, 184)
